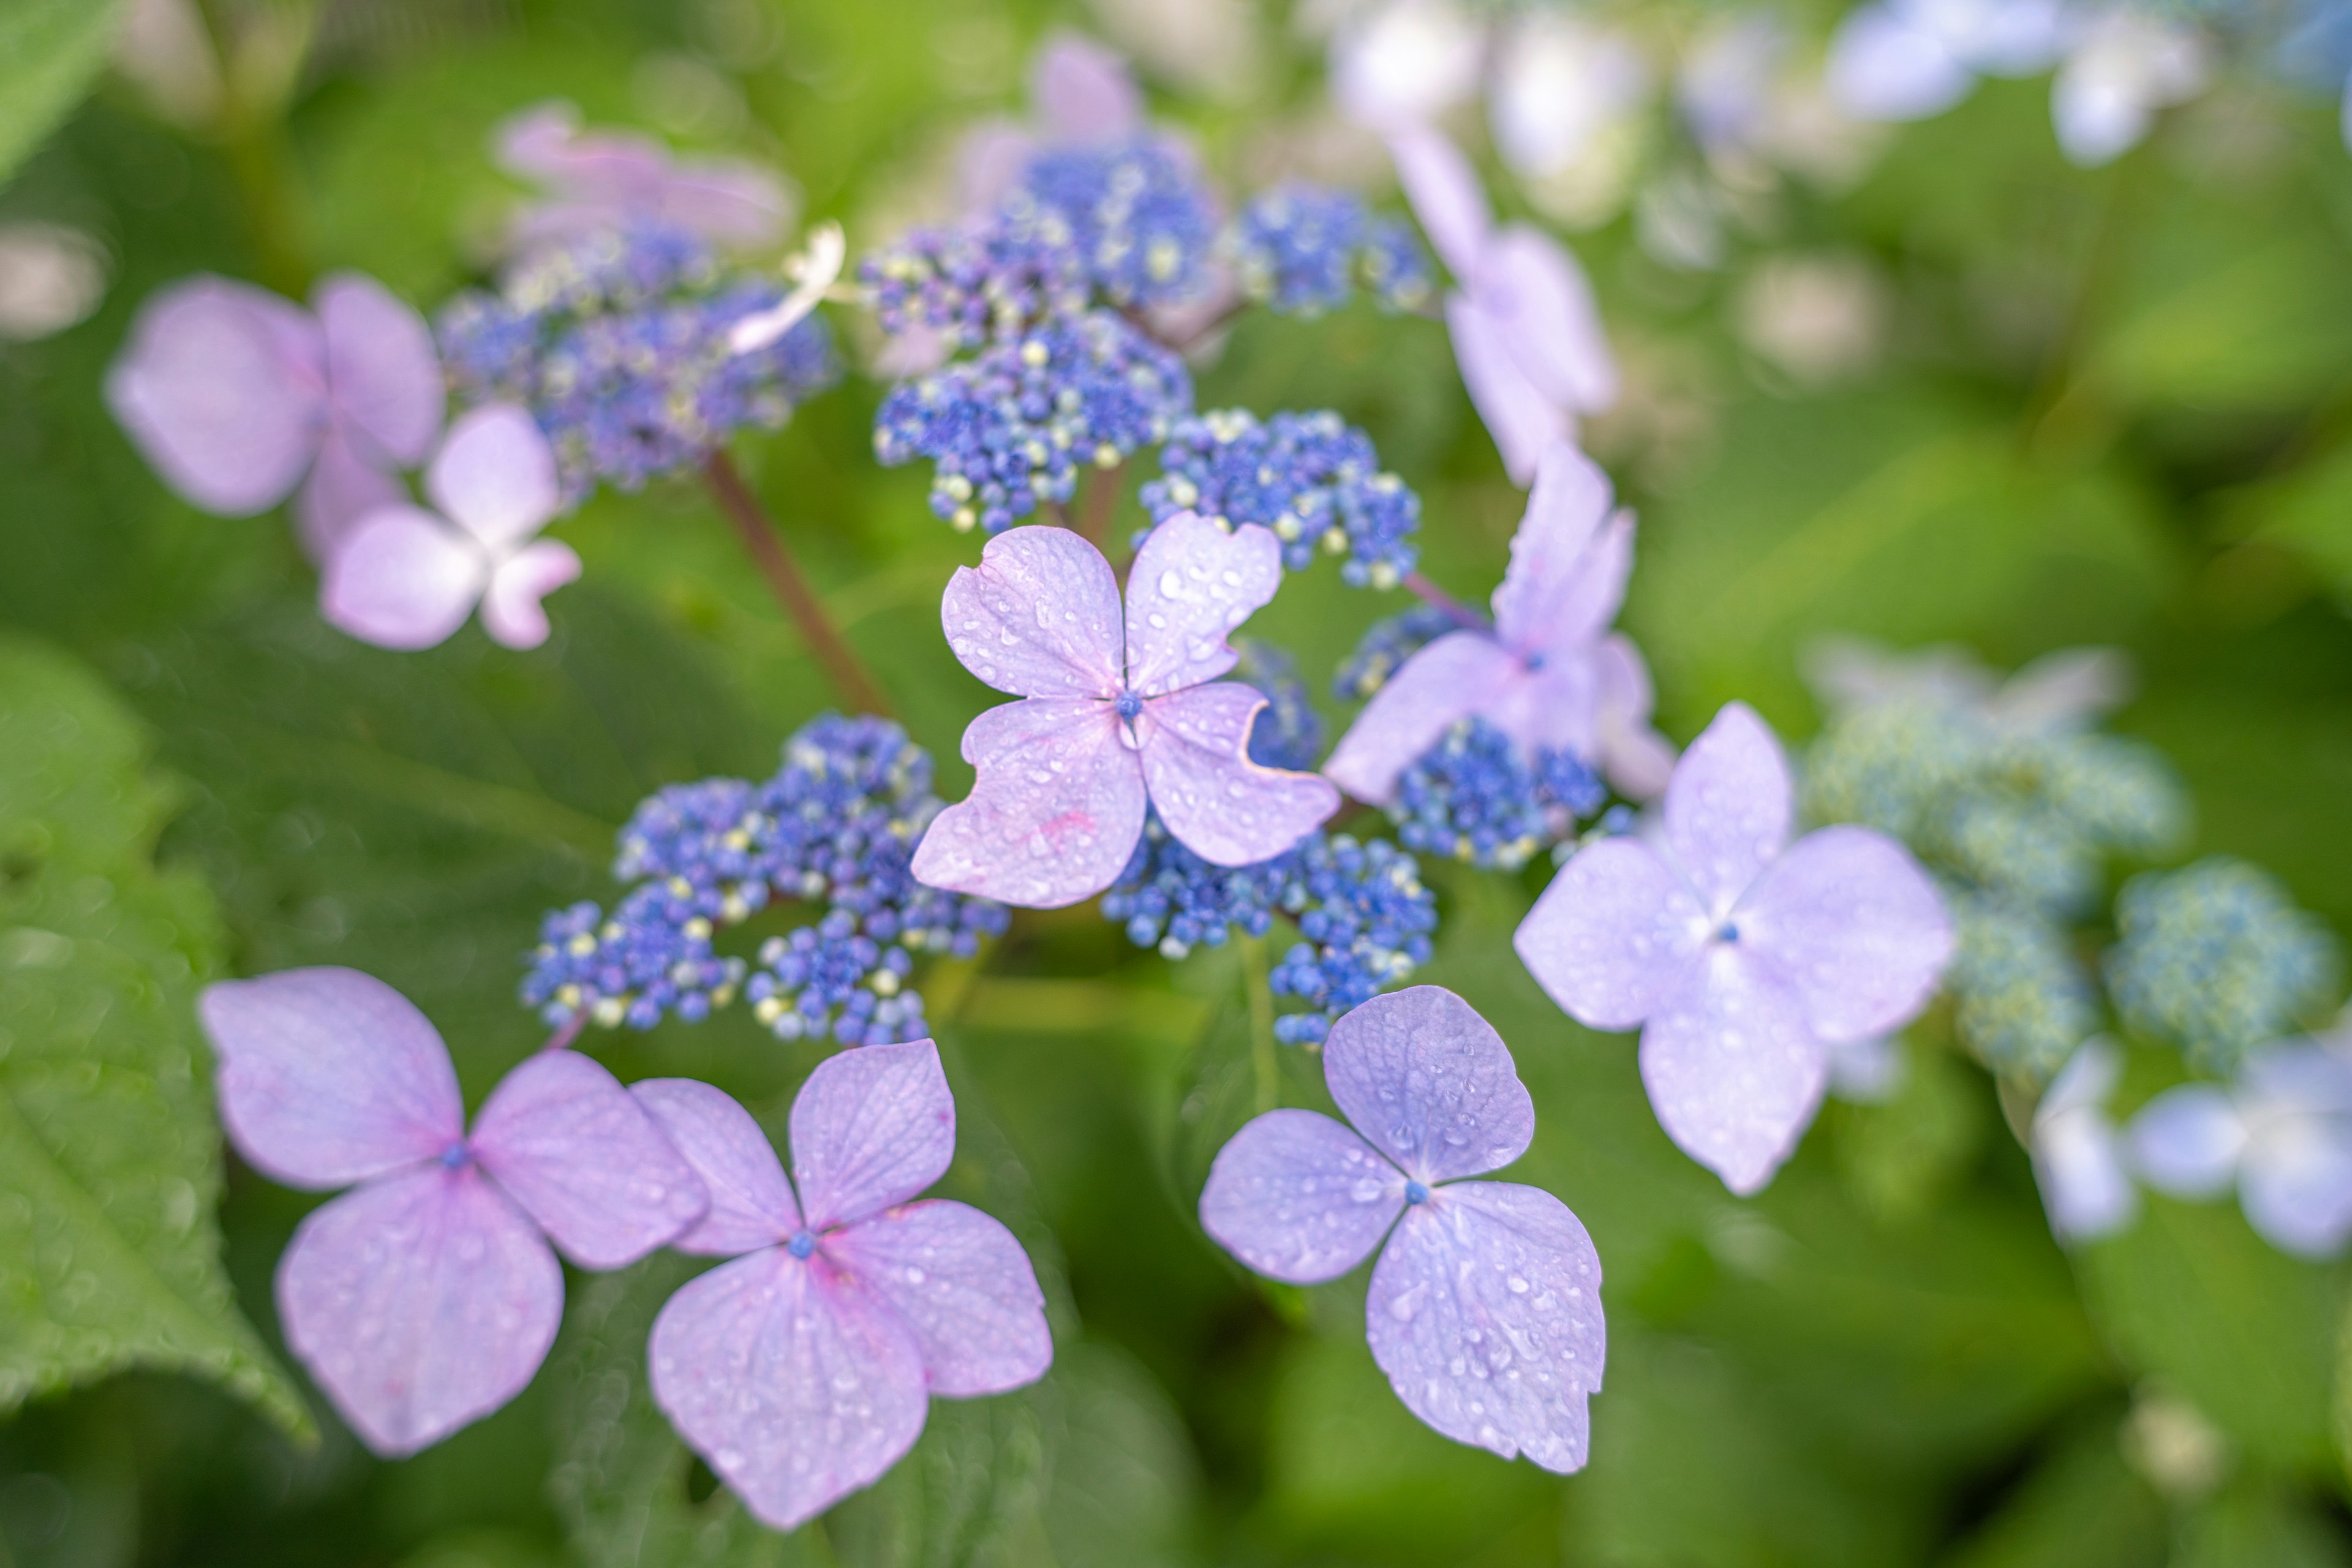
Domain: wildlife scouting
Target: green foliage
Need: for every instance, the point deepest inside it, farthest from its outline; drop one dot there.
(50, 52)
(109, 1160)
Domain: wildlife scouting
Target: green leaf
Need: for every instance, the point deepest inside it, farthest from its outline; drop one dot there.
(50, 52)
(1089, 1466)
(2081, 1504)
(109, 1162)
(2253, 1524)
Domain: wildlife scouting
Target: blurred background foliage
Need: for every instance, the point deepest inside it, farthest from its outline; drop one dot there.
(2107, 406)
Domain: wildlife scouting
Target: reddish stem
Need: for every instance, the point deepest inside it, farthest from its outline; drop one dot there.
(791, 588)
(1430, 594)
(1103, 487)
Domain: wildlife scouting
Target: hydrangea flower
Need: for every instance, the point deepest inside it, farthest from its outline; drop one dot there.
(2123, 67)
(235, 396)
(1134, 210)
(1300, 249)
(2078, 1156)
(2022, 1001)
(1546, 676)
(2217, 957)
(2281, 1133)
(804, 1368)
(1107, 723)
(1080, 94)
(620, 344)
(1367, 919)
(426, 1297)
(1015, 426)
(407, 578)
(973, 288)
(1485, 1308)
(1527, 333)
(1473, 797)
(1909, 59)
(601, 181)
(837, 824)
(1745, 957)
(1288, 732)
(1383, 649)
(1312, 479)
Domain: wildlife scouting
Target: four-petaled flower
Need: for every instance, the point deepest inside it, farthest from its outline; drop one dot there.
(407, 578)
(1108, 724)
(426, 1297)
(235, 396)
(1550, 675)
(804, 1368)
(2281, 1133)
(598, 181)
(1485, 1308)
(1527, 333)
(1745, 958)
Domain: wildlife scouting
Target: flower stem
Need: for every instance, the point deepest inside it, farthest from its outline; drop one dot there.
(1431, 595)
(1263, 1056)
(792, 589)
(1103, 487)
(565, 1035)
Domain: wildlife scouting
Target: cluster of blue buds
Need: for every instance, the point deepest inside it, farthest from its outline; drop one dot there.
(1134, 210)
(1301, 250)
(1475, 796)
(1312, 479)
(2018, 824)
(836, 826)
(973, 288)
(1012, 427)
(617, 344)
(1361, 908)
(2217, 957)
(1288, 733)
(1386, 644)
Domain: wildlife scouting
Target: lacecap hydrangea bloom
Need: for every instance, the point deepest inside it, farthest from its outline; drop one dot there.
(1474, 796)
(804, 1368)
(2280, 1133)
(426, 1297)
(1485, 1308)
(2217, 958)
(620, 344)
(1743, 956)
(1114, 717)
(1301, 250)
(1312, 479)
(403, 577)
(235, 396)
(835, 825)
(1550, 673)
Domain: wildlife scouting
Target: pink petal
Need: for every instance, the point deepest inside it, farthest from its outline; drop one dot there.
(1083, 91)
(1613, 939)
(1221, 805)
(329, 1076)
(1728, 806)
(1430, 1083)
(1038, 617)
(990, 161)
(790, 1378)
(221, 389)
(734, 204)
(404, 579)
(1524, 422)
(1637, 760)
(1852, 927)
(1440, 685)
(1053, 814)
(871, 1128)
(383, 377)
(342, 489)
(495, 476)
(1297, 1197)
(1548, 597)
(511, 611)
(421, 1302)
(962, 1287)
(1192, 583)
(1446, 198)
(1484, 1311)
(581, 1157)
(752, 1205)
(1536, 293)
(1732, 1071)
(1555, 706)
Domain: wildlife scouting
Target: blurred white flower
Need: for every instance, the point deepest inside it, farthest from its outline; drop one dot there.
(2124, 68)
(1210, 47)
(2078, 1156)
(50, 278)
(1818, 318)
(2281, 1133)
(2067, 690)
(1908, 59)
(1405, 63)
(163, 50)
(1868, 1072)
(1560, 83)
